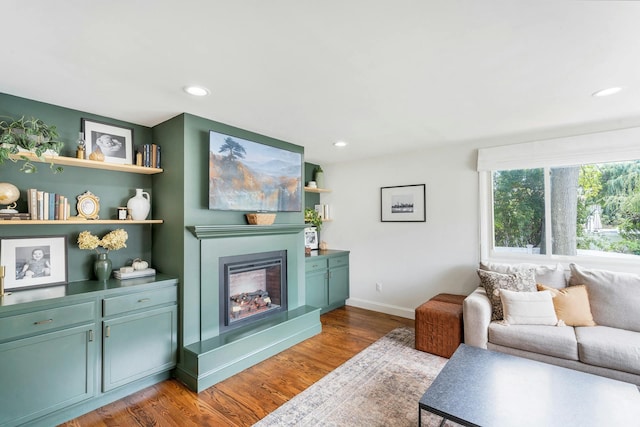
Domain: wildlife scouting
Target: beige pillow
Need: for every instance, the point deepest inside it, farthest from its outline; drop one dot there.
(550, 275)
(571, 305)
(492, 282)
(528, 308)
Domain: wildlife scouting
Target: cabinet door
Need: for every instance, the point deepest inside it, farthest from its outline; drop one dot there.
(338, 284)
(316, 288)
(41, 374)
(138, 345)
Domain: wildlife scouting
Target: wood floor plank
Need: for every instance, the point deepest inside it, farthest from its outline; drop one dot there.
(250, 395)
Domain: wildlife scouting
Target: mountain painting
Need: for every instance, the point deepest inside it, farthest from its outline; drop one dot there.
(249, 176)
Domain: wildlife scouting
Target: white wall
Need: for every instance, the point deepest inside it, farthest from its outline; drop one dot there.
(415, 260)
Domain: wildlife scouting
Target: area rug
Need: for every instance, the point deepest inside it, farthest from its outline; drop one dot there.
(380, 386)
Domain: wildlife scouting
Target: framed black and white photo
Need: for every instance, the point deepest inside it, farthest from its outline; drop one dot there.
(404, 203)
(115, 142)
(311, 238)
(33, 261)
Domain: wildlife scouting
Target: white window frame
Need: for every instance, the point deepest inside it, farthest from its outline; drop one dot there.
(602, 147)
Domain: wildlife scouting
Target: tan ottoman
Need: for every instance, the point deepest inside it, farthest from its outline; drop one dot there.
(439, 328)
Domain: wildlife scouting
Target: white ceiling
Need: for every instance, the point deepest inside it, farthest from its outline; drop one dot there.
(383, 75)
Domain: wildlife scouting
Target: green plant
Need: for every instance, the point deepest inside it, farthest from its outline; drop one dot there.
(313, 217)
(32, 135)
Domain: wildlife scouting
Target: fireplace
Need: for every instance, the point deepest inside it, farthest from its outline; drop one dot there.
(252, 287)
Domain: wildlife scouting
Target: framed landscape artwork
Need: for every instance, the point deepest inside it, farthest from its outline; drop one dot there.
(34, 261)
(249, 176)
(115, 142)
(405, 203)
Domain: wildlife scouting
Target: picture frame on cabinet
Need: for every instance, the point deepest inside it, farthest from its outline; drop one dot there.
(311, 238)
(403, 203)
(34, 261)
(114, 142)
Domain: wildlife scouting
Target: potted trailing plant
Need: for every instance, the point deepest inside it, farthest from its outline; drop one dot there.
(313, 217)
(28, 135)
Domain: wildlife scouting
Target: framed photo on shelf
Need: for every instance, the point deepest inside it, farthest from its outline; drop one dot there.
(311, 238)
(404, 203)
(34, 261)
(115, 142)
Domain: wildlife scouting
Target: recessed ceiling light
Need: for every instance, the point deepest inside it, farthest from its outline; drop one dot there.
(340, 144)
(607, 91)
(196, 90)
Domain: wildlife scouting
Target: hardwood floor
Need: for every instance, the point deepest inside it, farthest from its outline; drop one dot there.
(249, 396)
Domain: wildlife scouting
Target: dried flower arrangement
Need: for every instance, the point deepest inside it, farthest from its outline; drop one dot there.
(112, 241)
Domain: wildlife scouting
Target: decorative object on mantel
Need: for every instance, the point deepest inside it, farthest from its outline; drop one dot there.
(112, 241)
(260, 218)
(31, 135)
(139, 205)
(9, 195)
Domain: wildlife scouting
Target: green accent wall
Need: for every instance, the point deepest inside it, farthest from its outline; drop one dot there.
(113, 188)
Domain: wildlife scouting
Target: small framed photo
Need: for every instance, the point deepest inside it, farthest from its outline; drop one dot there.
(404, 203)
(34, 261)
(311, 238)
(115, 142)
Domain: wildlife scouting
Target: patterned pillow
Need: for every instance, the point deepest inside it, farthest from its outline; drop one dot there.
(521, 281)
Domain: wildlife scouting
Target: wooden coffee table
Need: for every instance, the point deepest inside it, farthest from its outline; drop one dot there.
(486, 388)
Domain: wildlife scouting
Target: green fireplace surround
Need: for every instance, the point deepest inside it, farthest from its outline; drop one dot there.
(218, 356)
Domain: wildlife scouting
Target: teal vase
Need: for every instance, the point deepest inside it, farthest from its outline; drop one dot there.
(102, 267)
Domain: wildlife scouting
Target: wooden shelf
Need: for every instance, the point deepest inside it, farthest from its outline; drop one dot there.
(77, 221)
(317, 190)
(92, 164)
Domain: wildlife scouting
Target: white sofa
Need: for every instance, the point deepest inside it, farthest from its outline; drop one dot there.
(610, 349)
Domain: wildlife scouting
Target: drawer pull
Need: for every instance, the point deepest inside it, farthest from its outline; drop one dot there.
(43, 322)
(107, 332)
(144, 300)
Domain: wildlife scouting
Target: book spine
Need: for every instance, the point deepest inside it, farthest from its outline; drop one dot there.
(154, 156)
(57, 207)
(146, 155)
(158, 157)
(52, 206)
(40, 209)
(33, 202)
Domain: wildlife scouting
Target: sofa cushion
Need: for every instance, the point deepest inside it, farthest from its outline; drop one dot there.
(528, 308)
(550, 340)
(571, 305)
(614, 297)
(549, 275)
(609, 348)
(492, 282)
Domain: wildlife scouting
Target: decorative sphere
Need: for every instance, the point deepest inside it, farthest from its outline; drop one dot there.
(9, 194)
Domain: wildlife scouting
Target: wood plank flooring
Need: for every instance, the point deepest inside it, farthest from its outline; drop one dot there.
(249, 396)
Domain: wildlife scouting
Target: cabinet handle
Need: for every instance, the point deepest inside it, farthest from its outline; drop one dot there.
(43, 322)
(90, 335)
(144, 300)
(107, 331)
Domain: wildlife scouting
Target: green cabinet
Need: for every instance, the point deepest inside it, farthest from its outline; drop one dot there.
(52, 353)
(47, 371)
(327, 279)
(142, 342)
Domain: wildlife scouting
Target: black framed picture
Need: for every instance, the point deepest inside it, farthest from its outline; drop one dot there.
(34, 261)
(115, 142)
(404, 203)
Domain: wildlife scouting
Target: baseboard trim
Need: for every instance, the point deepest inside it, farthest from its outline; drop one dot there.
(382, 308)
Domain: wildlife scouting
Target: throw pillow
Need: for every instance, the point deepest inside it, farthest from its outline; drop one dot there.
(614, 296)
(528, 308)
(522, 281)
(571, 305)
(550, 275)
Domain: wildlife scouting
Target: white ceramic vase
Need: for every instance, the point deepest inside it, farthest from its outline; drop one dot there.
(139, 205)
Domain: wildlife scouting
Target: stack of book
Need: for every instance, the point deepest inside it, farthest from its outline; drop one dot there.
(134, 274)
(46, 205)
(149, 156)
(12, 216)
(323, 211)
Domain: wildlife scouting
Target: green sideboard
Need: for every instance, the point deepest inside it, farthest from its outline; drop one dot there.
(327, 279)
(66, 350)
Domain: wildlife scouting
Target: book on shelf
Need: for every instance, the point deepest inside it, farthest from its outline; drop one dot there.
(13, 216)
(43, 205)
(323, 211)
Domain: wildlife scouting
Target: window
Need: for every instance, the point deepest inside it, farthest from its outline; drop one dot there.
(568, 199)
(595, 210)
